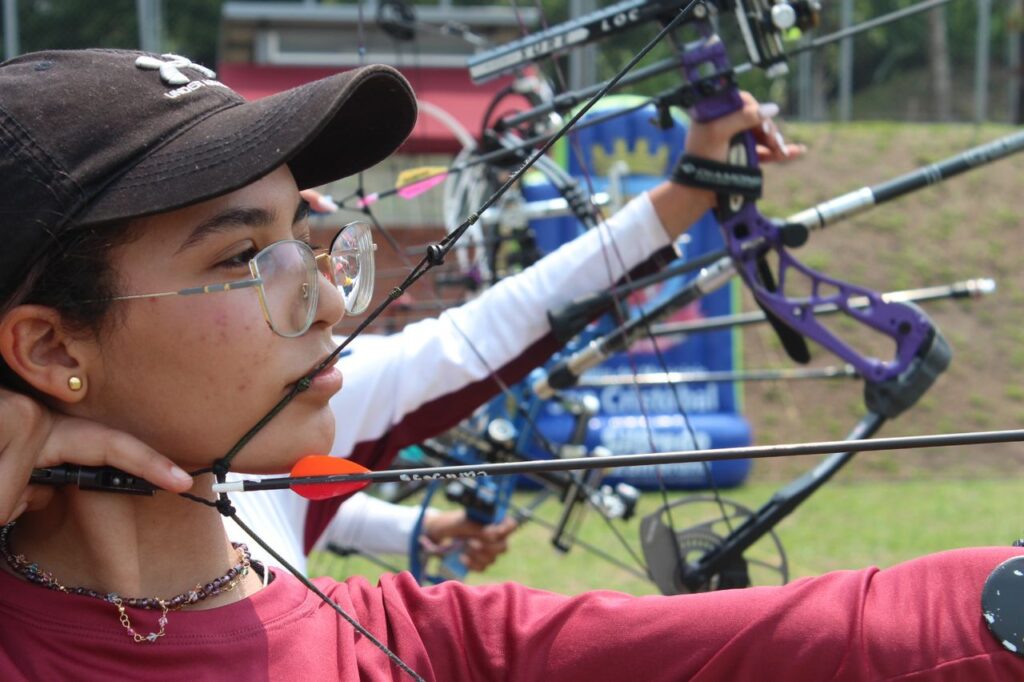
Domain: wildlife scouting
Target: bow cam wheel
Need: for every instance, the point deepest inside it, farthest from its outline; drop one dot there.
(676, 537)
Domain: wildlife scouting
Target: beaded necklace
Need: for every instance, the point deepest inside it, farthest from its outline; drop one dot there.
(225, 583)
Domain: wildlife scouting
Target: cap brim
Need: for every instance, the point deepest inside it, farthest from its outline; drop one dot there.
(324, 130)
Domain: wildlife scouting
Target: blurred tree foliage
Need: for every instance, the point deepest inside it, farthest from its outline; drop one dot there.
(879, 55)
(191, 27)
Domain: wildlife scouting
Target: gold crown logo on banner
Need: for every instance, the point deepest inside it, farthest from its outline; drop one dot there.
(640, 160)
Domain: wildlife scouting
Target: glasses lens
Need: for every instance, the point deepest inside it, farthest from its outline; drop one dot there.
(353, 265)
(290, 290)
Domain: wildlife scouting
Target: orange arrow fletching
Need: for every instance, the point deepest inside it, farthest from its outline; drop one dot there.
(325, 465)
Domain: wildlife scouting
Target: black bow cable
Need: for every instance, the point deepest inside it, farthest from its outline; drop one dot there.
(587, 214)
(434, 256)
(590, 219)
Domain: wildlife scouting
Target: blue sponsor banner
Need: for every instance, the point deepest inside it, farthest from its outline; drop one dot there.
(633, 433)
(628, 155)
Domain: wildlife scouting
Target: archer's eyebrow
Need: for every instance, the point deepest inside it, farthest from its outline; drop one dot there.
(236, 218)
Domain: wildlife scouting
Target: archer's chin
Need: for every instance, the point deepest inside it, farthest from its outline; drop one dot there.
(285, 441)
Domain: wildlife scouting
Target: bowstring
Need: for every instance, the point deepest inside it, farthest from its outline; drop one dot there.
(434, 256)
(224, 506)
(598, 220)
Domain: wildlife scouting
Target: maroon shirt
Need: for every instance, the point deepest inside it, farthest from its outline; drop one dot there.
(920, 620)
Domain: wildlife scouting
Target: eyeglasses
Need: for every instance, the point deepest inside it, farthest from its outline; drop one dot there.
(285, 273)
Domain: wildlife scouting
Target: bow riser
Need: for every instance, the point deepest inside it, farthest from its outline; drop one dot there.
(749, 236)
(908, 327)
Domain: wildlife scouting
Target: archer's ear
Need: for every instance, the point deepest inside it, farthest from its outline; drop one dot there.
(35, 345)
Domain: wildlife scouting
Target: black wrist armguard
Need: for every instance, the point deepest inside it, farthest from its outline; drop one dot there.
(721, 178)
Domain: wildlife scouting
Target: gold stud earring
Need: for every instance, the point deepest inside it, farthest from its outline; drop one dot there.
(74, 383)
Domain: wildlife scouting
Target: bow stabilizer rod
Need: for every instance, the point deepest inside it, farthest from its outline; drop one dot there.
(860, 200)
(605, 22)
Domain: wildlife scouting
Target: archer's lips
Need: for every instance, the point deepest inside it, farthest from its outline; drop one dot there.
(328, 382)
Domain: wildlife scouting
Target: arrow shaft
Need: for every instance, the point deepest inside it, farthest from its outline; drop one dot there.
(972, 288)
(670, 378)
(676, 457)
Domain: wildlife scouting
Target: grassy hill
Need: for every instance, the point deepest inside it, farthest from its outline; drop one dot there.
(971, 226)
(885, 507)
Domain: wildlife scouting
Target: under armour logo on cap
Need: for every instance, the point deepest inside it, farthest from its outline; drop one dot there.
(170, 66)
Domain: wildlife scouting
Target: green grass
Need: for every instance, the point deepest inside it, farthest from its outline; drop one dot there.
(849, 525)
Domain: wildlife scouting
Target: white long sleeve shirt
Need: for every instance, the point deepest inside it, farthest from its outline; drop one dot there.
(403, 388)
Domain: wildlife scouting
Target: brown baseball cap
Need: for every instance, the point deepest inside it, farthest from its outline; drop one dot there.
(89, 136)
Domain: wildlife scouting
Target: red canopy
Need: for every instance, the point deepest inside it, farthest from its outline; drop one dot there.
(449, 89)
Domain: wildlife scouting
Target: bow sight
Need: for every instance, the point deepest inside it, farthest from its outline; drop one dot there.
(762, 24)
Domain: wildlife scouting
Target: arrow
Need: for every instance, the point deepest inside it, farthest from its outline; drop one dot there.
(410, 184)
(347, 476)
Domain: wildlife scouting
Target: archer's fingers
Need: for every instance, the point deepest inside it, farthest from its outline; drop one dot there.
(792, 151)
(320, 203)
(24, 426)
(478, 555)
(86, 443)
(38, 496)
(497, 532)
(768, 135)
(711, 139)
